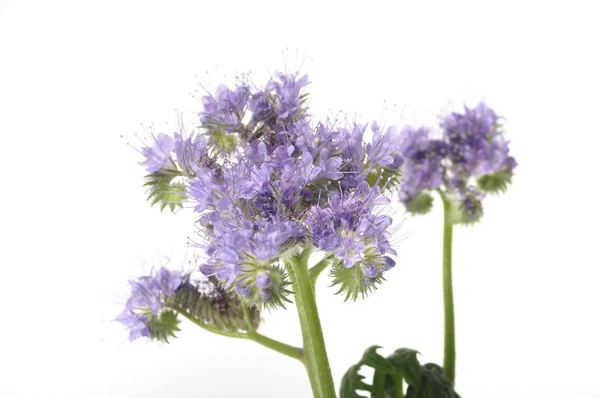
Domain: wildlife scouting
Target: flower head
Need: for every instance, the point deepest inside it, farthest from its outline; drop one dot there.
(146, 301)
(470, 159)
(268, 184)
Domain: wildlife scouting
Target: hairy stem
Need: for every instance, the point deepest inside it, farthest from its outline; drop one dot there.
(317, 363)
(449, 337)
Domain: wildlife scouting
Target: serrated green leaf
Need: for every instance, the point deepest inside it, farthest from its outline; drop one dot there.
(434, 384)
(352, 382)
(405, 361)
(373, 359)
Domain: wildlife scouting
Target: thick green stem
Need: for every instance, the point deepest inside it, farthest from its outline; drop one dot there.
(317, 363)
(285, 349)
(449, 338)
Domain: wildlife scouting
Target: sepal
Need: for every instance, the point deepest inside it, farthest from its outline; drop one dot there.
(420, 204)
(163, 326)
(495, 183)
(162, 190)
(263, 287)
(352, 281)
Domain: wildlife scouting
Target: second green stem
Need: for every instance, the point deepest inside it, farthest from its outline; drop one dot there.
(449, 337)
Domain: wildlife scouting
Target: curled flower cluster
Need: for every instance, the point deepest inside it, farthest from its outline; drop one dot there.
(469, 160)
(144, 307)
(268, 183)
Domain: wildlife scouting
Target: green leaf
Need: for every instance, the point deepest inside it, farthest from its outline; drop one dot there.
(352, 382)
(495, 183)
(163, 191)
(373, 359)
(406, 362)
(434, 384)
(420, 204)
(163, 326)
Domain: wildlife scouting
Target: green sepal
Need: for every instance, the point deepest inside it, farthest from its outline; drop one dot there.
(279, 286)
(434, 384)
(458, 215)
(163, 326)
(386, 179)
(495, 183)
(224, 141)
(352, 281)
(420, 204)
(163, 191)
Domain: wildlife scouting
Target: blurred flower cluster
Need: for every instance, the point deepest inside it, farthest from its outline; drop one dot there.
(469, 160)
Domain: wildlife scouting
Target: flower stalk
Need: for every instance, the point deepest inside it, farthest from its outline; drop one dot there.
(317, 363)
(251, 334)
(449, 336)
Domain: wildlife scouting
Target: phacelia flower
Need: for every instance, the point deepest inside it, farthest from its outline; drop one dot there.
(471, 158)
(147, 299)
(267, 184)
(158, 156)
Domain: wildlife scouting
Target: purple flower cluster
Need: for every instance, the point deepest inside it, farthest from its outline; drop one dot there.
(472, 149)
(348, 226)
(148, 294)
(267, 183)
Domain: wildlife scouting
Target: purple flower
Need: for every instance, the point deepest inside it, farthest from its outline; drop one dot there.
(384, 150)
(472, 149)
(146, 299)
(191, 152)
(349, 227)
(477, 147)
(423, 162)
(287, 89)
(225, 108)
(158, 157)
(276, 185)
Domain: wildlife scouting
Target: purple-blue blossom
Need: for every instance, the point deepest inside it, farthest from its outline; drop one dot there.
(146, 299)
(158, 156)
(471, 156)
(280, 184)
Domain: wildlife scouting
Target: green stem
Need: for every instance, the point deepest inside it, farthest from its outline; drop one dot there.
(317, 363)
(319, 267)
(285, 349)
(449, 337)
(399, 385)
(275, 345)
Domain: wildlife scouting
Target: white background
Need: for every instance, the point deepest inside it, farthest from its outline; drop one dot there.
(74, 76)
